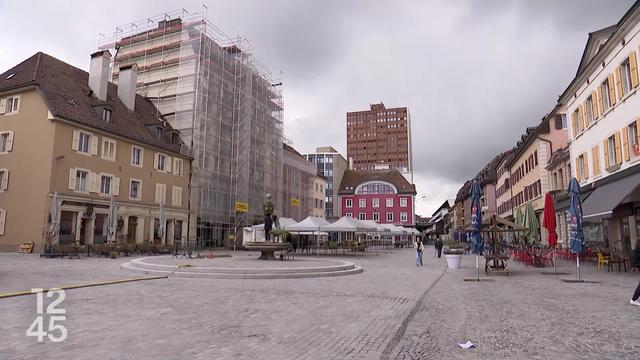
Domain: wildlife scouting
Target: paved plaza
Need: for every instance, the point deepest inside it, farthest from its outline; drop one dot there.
(392, 310)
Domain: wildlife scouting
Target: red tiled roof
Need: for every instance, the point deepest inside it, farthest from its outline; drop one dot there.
(66, 92)
(352, 178)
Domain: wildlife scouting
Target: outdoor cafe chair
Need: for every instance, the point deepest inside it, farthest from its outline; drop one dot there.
(602, 260)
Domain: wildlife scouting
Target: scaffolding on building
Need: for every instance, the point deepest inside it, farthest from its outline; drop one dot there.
(226, 105)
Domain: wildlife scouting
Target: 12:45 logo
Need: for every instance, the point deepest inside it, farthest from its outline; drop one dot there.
(56, 332)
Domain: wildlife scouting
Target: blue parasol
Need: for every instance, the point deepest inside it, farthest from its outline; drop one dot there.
(575, 214)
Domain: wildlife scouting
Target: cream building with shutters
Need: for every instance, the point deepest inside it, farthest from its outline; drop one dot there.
(68, 131)
(604, 107)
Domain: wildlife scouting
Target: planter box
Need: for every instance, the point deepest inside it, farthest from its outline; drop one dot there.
(453, 260)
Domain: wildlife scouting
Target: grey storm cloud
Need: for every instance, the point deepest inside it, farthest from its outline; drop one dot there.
(474, 74)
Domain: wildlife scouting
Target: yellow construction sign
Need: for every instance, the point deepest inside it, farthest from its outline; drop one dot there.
(242, 207)
(295, 202)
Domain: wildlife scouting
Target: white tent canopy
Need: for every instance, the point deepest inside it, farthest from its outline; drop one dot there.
(395, 230)
(283, 222)
(348, 224)
(311, 223)
(379, 228)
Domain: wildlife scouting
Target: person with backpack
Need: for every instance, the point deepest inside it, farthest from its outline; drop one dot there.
(439, 246)
(419, 250)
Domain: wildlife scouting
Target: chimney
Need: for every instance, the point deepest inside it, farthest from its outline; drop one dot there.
(99, 73)
(127, 81)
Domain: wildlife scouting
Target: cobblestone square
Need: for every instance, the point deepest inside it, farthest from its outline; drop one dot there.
(392, 310)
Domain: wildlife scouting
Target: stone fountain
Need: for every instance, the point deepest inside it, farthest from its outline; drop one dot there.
(267, 247)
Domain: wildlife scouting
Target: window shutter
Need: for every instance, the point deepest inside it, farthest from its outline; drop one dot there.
(155, 161)
(558, 121)
(76, 140)
(600, 103)
(585, 165)
(167, 166)
(625, 143)
(619, 81)
(594, 104)
(5, 180)
(638, 130)
(612, 91)
(574, 124)
(605, 146)
(3, 106)
(3, 219)
(10, 141)
(177, 164)
(116, 186)
(633, 66)
(594, 161)
(94, 182)
(94, 144)
(72, 179)
(580, 117)
(158, 193)
(618, 148)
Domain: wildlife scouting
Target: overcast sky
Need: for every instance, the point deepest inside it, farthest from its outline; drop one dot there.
(474, 74)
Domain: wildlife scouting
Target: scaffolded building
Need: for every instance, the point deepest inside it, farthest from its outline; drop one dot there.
(224, 103)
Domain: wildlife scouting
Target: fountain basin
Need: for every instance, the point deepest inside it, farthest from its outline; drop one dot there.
(266, 248)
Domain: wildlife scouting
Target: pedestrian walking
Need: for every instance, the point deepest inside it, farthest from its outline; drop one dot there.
(635, 300)
(439, 245)
(419, 249)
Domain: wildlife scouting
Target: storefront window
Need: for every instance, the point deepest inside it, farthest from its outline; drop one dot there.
(100, 229)
(626, 235)
(593, 232)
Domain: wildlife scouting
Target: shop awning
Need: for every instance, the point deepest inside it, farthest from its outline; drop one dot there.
(562, 205)
(607, 197)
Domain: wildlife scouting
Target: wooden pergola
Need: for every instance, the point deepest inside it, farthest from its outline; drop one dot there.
(493, 226)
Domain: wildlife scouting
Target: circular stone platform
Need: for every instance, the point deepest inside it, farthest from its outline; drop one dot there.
(241, 266)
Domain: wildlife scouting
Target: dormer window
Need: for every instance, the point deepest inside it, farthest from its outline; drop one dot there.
(175, 138)
(106, 115)
(159, 133)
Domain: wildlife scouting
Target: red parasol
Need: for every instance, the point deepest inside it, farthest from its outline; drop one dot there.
(549, 220)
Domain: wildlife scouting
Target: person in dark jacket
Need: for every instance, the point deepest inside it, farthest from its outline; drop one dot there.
(635, 300)
(439, 245)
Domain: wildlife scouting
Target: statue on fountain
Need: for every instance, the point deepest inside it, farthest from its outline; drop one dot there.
(267, 211)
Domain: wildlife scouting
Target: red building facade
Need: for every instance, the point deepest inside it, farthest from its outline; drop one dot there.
(384, 196)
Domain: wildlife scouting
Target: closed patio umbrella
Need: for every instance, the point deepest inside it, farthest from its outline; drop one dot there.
(112, 219)
(162, 221)
(54, 222)
(531, 222)
(477, 245)
(575, 222)
(549, 223)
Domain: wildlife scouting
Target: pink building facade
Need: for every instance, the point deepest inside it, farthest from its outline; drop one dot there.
(383, 196)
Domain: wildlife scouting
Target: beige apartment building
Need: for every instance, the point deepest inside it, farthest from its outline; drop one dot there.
(529, 176)
(73, 133)
(559, 168)
(503, 187)
(317, 195)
